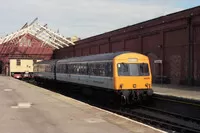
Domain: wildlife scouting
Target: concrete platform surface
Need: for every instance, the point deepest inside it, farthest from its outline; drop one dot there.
(178, 91)
(26, 108)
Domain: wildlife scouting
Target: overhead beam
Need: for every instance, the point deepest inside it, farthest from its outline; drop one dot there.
(47, 37)
(44, 40)
(25, 25)
(62, 42)
(52, 36)
(34, 21)
(57, 34)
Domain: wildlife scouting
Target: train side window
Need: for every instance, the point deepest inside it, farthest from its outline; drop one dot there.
(69, 68)
(52, 68)
(82, 69)
(58, 69)
(102, 69)
(74, 68)
(45, 68)
(85, 69)
(96, 69)
(109, 69)
(89, 69)
(66, 68)
(61, 68)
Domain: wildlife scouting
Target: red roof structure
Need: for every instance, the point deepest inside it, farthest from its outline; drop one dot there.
(32, 41)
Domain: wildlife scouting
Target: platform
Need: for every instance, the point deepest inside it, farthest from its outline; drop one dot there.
(31, 109)
(177, 91)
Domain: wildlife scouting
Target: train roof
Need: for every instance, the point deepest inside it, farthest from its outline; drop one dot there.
(47, 61)
(97, 57)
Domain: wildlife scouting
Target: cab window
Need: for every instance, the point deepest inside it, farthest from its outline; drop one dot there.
(130, 69)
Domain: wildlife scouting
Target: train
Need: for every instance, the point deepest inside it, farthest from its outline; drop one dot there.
(125, 74)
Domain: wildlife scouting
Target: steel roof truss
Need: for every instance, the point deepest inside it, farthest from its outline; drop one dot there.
(44, 40)
(56, 34)
(46, 37)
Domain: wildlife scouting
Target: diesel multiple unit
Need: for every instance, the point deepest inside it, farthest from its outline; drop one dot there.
(127, 74)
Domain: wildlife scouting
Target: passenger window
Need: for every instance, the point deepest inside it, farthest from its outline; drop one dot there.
(109, 69)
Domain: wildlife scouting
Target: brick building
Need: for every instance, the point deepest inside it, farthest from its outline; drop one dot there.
(172, 43)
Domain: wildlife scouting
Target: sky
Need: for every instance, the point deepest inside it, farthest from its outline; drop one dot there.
(85, 18)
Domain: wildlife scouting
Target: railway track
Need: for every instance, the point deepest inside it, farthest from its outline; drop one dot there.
(177, 105)
(159, 119)
(166, 120)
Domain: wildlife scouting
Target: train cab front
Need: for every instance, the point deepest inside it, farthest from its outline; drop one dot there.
(133, 80)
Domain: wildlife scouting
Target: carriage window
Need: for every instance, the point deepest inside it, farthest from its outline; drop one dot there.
(60, 68)
(109, 69)
(125, 69)
(47, 68)
(83, 68)
(97, 69)
(66, 70)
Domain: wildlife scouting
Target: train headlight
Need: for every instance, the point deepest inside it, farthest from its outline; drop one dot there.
(134, 85)
(121, 86)
(147, 85)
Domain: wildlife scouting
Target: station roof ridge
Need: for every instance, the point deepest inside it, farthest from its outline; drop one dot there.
(41, 32)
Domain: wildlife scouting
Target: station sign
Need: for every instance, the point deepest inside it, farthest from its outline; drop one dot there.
(132, 60)
(158, 61)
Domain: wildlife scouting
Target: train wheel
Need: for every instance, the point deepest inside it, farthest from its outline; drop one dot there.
(123, 100)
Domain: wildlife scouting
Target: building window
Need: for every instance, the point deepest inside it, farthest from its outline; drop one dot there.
(34, 61)
(18, 62)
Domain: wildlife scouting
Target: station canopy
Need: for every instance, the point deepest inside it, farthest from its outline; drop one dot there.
(41, 32)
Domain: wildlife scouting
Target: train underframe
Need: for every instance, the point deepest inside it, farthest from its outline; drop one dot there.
(130, 96)
(124, 96)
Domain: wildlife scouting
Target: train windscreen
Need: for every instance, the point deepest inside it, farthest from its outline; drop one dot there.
(131, 69)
